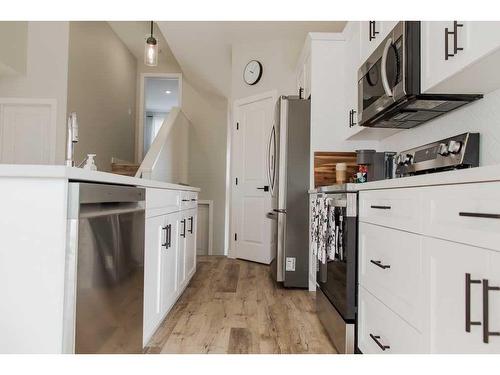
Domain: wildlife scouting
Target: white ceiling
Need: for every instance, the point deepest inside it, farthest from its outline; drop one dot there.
(203, 48)
(156, 97)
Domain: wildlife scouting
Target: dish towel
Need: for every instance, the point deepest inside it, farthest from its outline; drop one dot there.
(322, 229)
(315, 226)
(332, 232)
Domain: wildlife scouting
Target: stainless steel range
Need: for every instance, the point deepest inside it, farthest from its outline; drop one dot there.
(460, 151)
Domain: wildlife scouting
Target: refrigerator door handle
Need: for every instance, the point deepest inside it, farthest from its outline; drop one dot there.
(271, 158)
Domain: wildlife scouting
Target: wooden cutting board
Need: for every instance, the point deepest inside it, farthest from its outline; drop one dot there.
(324, 166)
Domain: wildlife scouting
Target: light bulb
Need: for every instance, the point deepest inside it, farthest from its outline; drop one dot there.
(151, 52)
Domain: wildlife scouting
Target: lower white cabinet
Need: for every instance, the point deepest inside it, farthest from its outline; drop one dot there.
(381, 331)
(170, 262)
(459, 308)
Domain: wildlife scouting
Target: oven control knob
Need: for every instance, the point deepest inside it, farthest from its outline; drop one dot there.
(454, 147)
(443, 149)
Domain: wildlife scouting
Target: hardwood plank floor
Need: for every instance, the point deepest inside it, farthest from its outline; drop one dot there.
(234, 306)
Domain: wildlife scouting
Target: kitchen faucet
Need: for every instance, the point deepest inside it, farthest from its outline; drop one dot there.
(71, 138)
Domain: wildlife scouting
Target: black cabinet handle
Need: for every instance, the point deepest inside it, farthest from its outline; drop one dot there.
(380, 345)
(372, 30)
(352, 112)
(456, 25)
(191, 225)
(468, 282)
(486, 307)
(183, 234)
(265, 188)
(165, 243)
(378, 263)
(301, 92)
(186, 200)
(479, 215)
(193, 200)
(381, 207)
(453, 33)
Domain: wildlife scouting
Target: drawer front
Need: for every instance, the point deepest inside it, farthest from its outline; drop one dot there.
(381, 331)
(394, 208)
(167, 200)
(189, 199)
(391, 268)
(468, 213)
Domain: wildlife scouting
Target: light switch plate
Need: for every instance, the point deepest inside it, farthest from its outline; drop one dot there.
(290, 264)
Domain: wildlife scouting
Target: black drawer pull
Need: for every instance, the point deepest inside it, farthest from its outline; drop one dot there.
(165, 244)
(380, 345)
(378, 263)
(468, 282)
(486, 314)
(480, 215)
(186, 200)
(381, 207)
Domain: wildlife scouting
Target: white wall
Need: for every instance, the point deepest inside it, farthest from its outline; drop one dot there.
(46, 73)
(278, 58)
(102, 91)
(13, 47)
(481, 116)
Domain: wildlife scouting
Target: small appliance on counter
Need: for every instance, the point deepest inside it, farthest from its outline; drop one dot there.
(458, 152)
(374, 165)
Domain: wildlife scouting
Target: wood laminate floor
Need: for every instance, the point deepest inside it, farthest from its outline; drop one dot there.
(233, 306)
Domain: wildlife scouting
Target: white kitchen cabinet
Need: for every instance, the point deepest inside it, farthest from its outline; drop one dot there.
(190, 251)
(351, 66)
(381, 331)
(154, 235)
(447, 265)
(169, 287)
(304, 75)
(471, 70)
(367, 44)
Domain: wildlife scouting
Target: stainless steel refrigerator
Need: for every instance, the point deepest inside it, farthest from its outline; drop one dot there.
(289, 175)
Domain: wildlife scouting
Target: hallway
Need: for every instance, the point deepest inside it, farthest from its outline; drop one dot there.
(233, 306)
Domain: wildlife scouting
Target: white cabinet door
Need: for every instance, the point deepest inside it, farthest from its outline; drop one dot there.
(476, 40)
(494, 302)
(352, 63)
(181, 225)
(191, 242)
(168, 264)
(154, 238)
(452, 299)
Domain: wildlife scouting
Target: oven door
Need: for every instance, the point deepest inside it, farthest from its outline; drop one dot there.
(381, 80)
(336, 277)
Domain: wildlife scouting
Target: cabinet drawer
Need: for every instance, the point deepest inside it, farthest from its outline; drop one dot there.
(189, 199)
(168, 200)
(468, 213)
(377, 323)
(390, 267)
(394, 208)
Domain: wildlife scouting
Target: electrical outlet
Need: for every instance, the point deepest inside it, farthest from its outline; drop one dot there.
(290, 264)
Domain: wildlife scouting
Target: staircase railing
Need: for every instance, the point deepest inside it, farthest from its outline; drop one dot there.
(167, 158)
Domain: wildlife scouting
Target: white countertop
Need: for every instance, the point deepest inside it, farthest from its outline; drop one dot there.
(79, 174)
(462, 176)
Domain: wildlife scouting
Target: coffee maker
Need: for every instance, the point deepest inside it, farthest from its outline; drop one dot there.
(379, 165)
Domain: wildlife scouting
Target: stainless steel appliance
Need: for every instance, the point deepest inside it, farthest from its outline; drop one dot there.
(389, 94)
(104, 269)
(460, 151)
(289, 158)
(337, 277)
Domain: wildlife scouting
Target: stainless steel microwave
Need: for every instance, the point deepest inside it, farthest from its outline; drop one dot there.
(389, 84)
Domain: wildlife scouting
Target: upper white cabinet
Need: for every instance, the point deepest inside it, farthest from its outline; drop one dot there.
(460, 57)
(371, 34)
(13, 48)
(304, 76)
(351, 66)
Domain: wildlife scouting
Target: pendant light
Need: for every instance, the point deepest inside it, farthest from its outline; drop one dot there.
(151, 50)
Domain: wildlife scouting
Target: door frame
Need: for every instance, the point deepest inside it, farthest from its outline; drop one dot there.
(231, 253)
(139, 129)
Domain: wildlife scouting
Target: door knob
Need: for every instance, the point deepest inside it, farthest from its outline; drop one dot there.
(265, 188)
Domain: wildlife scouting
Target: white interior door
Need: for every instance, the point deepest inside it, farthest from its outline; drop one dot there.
(252, 231)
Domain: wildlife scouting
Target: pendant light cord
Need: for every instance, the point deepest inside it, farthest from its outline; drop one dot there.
(151, 28)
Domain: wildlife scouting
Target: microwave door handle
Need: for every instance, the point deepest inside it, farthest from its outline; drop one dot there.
(385, 81)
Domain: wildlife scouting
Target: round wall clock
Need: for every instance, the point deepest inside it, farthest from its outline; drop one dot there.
(252, 72)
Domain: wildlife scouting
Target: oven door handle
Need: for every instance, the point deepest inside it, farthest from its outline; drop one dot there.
(385, 81)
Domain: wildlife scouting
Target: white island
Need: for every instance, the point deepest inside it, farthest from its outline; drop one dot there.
(33, 253)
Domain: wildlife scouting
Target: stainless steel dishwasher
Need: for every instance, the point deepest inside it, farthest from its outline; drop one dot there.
(104, 269)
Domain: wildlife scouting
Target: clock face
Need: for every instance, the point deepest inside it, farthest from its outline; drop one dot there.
(252, 72)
